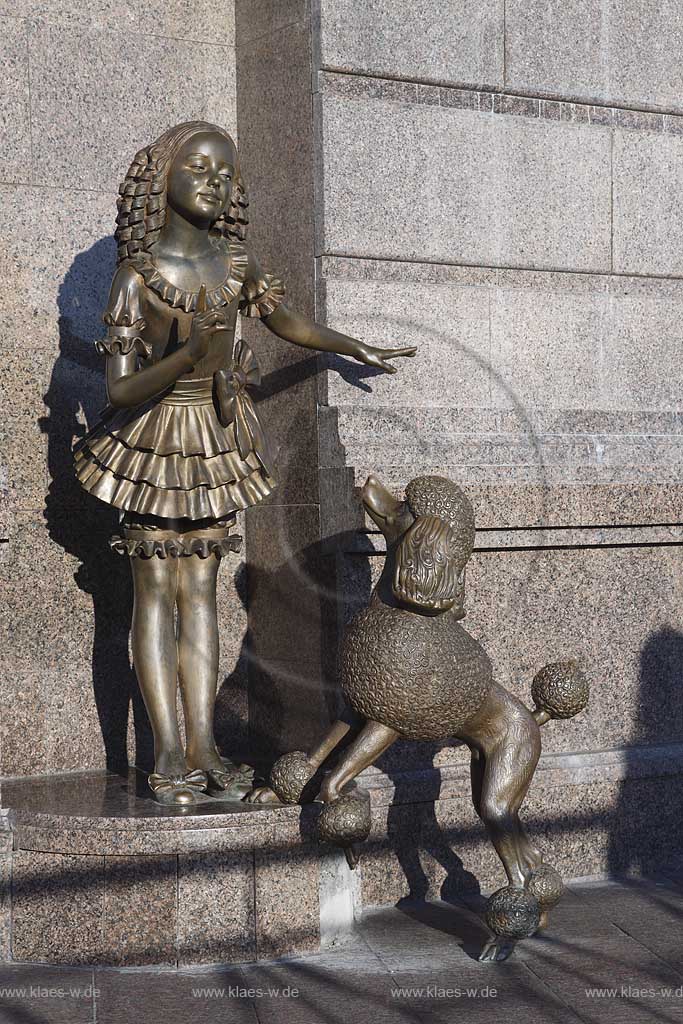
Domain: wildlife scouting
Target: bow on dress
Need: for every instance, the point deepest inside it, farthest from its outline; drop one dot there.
(235, 404)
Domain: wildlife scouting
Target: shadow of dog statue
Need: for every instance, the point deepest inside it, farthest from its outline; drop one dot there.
(409, 670)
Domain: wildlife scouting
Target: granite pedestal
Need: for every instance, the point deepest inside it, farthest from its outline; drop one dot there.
(92, 871)
(102, 874)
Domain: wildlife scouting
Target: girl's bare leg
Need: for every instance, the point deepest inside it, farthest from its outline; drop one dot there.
(155, 656)
(198, 657)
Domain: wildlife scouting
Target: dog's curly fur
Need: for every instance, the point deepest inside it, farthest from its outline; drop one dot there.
(440, 497)
(424, 676)
(426, 573)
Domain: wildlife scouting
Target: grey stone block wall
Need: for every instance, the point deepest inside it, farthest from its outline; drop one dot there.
(83, 88)
(501, 190)
(619, 52)
(614, 51)
(288, 699)
(419, 41)
(459, 186)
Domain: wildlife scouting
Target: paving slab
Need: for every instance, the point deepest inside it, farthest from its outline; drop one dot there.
(614, 981)
(611, 954)
(173, 997)
(41, 994)
(303, 993)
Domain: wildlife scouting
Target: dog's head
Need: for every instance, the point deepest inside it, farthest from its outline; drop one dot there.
(433, 533)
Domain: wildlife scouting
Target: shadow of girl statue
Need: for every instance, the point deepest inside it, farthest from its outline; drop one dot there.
(81, 525)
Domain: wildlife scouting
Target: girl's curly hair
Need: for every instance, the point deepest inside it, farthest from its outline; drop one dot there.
(142, 193)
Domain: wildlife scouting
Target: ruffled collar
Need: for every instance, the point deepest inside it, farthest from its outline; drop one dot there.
(178, 298)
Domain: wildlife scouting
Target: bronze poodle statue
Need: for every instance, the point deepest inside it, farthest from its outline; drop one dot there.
(410, 671)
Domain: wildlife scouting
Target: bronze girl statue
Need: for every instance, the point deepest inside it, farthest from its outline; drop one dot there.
(180, 450)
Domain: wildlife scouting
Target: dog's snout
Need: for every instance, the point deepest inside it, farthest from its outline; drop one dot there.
(370, 485)
(375, 497)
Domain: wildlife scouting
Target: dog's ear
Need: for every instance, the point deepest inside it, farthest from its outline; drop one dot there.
(427, 573)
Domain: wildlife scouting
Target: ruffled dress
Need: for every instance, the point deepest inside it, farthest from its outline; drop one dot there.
(183, 463)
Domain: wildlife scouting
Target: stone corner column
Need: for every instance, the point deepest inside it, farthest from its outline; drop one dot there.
(289, 574)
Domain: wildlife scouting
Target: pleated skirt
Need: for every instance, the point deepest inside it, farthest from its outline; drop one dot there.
(171, 458)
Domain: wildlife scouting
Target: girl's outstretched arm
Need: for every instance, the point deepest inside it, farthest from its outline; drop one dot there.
(299, 330)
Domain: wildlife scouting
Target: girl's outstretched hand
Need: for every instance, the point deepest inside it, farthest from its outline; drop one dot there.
(378, 356)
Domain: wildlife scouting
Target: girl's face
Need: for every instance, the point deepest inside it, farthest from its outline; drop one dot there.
(200, 179)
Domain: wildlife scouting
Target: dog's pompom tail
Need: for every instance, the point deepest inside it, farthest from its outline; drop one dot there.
(559, 690)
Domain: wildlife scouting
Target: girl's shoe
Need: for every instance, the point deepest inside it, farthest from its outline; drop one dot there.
(178, 789)
(232, 782)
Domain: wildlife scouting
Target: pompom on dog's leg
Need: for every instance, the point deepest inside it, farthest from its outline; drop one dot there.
(292, 772)
(346, 818)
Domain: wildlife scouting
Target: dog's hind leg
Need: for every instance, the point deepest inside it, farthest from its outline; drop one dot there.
(528, 855)
(505, 743)
(372, 740)
(503, 790)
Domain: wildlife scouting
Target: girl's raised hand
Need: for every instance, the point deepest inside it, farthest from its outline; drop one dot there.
(204, 326)
(378, 356)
